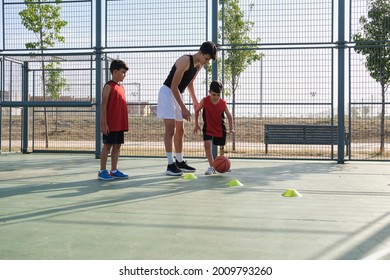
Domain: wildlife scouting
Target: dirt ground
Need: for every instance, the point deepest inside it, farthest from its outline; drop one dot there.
(80, 126)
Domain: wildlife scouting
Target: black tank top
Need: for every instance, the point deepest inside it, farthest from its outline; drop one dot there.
(187, 76)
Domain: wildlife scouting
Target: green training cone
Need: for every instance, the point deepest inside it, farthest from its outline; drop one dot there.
(234, 183)
(291, 193)
(189, 176)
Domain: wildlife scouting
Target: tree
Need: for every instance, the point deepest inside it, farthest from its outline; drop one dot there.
(55, 84)
(373, 41)
(44, 20)
(235, 33)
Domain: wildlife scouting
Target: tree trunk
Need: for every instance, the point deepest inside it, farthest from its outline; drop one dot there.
(44, 93)
(44, 110)
(233, 113)
(382, 147)
(234, 120)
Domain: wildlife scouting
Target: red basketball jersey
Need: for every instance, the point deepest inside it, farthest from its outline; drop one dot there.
(117, 116)
(213, 117)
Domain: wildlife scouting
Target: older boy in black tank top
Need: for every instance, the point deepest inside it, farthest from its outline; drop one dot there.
(171, 108)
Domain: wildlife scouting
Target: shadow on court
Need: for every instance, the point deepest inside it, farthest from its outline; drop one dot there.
(53, 207)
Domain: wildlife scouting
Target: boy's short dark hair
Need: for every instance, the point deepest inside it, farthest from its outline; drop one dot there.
(216, 86)
(117, 65)
(209, 48)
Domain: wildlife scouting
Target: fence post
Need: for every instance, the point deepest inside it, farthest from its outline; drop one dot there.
(25, 108)
(341, 79)
(214, 74)
(98, 73)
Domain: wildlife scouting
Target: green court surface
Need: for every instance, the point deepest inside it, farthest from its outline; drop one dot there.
(53, 207)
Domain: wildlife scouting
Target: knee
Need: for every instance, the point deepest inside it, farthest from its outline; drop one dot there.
(116, 147)
(179, 130)
(179, 133)
(170, 131)
(107, 147)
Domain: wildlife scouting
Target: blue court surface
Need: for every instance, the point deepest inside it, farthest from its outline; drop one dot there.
(53, 207)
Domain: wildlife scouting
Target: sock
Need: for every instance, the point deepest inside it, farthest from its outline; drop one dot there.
(179, 157)
(113, 171)
(170, 157)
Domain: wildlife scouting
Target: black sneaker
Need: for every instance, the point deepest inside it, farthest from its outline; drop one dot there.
(173, 170)
(184, 167)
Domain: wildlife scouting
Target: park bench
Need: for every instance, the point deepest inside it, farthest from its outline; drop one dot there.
(301, 134)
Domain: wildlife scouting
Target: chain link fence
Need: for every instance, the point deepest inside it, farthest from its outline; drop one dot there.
(295, 82)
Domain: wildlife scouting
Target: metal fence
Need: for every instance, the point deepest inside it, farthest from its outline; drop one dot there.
(297, 80)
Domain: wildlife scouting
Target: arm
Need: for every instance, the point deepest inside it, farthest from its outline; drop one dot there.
(105, 96)
(191, 90)
(197, 110)
(230, 120)
(182, 65)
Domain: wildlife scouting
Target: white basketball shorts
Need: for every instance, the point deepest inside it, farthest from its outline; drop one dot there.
(167, 106)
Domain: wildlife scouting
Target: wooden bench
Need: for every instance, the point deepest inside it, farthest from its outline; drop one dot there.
(301, 134)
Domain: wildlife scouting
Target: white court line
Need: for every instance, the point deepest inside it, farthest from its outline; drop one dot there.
(378, 255)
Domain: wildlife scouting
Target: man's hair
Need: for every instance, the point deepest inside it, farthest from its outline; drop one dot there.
(216, 86)
(209, 48)
(117, 65)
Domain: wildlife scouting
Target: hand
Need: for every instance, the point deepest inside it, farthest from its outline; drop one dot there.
(186, 114)
(196, 129)
(196, 104)
(105, 129)
(231, 131)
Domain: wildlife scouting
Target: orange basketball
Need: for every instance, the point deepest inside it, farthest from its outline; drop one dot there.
(221, 164)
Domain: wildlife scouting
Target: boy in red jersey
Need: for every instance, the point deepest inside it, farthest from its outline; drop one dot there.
(214, 130)
(114, 120)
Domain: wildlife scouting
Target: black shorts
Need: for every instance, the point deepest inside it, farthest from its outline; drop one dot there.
(219, 141)
(116, 137)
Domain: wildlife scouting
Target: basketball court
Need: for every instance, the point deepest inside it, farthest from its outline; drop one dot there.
(53, 207)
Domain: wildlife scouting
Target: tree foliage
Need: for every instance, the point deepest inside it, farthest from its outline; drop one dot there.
(235, 33)
(373, 41)
(43, 19)
(55, 83)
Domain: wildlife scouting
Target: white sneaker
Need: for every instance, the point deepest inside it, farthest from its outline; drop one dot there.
(210, 171)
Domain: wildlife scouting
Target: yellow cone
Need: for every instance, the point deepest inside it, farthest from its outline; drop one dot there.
(234, 183)
(291, 193)
(189, 176)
